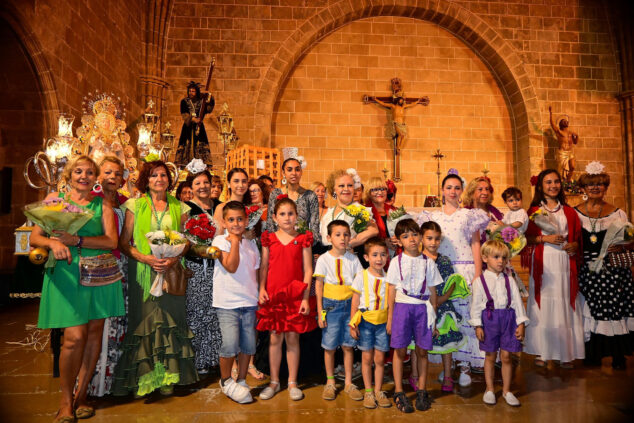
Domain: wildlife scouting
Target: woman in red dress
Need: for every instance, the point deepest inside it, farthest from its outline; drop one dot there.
(285, 277)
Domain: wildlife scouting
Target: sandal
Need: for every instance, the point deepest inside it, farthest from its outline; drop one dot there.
(253, 371)
(64, 419)
(403, 403)
(447, 388)
(84, 412)
(568, 365)
(539, 362)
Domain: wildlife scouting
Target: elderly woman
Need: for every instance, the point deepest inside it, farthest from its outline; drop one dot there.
(216, 191)
(201, 317)
(157, 350)
(320, 191)
(259, 192)
(68, 304)
(608, 292)
(184, 191)
(341, 186)
(479, 195)
(111, 180)
(375, 198)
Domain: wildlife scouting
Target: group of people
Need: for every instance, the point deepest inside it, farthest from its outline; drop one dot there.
(434, 284)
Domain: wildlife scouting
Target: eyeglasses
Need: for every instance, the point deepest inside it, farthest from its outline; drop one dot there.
(255, 190)
(595, 184)
(377, 190)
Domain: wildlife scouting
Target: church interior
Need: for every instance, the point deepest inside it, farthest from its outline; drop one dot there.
(482, 80)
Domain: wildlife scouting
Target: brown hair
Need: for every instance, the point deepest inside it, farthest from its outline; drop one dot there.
(146, 171)
(375, 241)
(600, 178)
(406, 225)
(284, 201)
(430, 226)
(266, 192)
(511, 192)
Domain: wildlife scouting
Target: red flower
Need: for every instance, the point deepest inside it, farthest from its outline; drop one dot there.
(534, 179)
(279, 197)
(251, 209)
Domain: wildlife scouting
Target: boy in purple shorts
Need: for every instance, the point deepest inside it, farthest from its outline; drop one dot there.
(498, 314)
(412, 297)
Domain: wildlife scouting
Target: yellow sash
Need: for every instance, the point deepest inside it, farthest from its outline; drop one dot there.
(337, 292)
(376, 317)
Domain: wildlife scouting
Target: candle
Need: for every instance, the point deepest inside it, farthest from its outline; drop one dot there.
(486, 166)
(428, 189)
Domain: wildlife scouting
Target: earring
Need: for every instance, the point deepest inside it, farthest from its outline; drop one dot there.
(459, 200)
(443, 199)
(97, 188)
(334, 195)
(283, 181)
(584, 197)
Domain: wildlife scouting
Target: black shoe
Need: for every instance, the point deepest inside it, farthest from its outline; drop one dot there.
(423, 400)
(403, 403)
(618, 363)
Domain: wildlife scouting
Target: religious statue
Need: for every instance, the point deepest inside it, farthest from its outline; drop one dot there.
(566, 139)
(397, 104)
(193, 142)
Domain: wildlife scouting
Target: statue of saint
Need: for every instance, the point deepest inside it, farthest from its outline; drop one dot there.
(193, 142)
(567, 139)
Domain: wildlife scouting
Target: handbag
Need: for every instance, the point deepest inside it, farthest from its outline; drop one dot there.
(176, 277)
(99, 270)
(622, 259)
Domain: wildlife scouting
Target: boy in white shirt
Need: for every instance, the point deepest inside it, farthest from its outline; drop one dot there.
(412, 297)
(368, 320)
(236, 300)
(334, 272)
(498, 314)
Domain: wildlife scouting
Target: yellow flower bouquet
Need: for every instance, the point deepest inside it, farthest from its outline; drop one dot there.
(360, 215)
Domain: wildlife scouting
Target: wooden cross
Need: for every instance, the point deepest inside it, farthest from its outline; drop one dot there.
(397, 103)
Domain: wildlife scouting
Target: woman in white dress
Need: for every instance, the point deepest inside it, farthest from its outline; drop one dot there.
(554, 309)
(461, 243)
(341, 185)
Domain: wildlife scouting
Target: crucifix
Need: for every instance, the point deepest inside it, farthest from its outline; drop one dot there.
(397, 103)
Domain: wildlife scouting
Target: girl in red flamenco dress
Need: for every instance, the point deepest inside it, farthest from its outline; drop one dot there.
(285, 277)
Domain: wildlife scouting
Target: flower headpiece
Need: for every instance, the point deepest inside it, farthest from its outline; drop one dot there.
(454, 171)
(151, 158)
(595, 168)
(196, 166)
(355, 177)
(302, 161)
(534, 180)
(293, 153)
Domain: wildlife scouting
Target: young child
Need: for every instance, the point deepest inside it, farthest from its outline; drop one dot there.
(285, 277)
(449, 338)
(412, 298)
(517, 216)
(368, 320)
(236, 300)
(499, 317)
(335, 271)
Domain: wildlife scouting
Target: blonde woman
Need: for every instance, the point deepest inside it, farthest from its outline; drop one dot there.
(320, 191)
(479, 195)
(66, 303)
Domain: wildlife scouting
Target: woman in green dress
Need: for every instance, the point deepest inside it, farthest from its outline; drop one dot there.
(67, 304)
(157, 349)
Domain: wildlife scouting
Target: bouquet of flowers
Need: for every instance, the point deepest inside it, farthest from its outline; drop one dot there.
(164, 244)
(254, 214)
(360, 216)
(394, 217)
(513, 239)
(301, 226)
(544, 221)
(57, 214)
(200, 231)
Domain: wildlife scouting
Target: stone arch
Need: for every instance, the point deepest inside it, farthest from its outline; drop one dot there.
(41, 68)
(497, 54)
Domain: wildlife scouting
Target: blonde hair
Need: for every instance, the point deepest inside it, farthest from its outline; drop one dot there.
(494, 246)
(374, 182)
(112, 159)
(330, 183)
(467, 196)
(316, 185)
(70, 166)
(598, 178)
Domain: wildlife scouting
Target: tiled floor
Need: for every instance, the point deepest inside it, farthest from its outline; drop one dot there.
(28, 393)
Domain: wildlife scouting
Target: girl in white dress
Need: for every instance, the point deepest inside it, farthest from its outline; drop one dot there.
(461, 243)
(554, 308)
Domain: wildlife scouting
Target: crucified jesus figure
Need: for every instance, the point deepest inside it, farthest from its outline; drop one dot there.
(398, 107)
(567, 139)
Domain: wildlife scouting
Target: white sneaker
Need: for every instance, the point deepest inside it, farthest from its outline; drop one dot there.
(489, 398)
(236, 392)
(511, 399)
(464, 379)
(243, 382)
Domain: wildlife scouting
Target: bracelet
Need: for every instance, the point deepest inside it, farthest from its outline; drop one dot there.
(80, 241)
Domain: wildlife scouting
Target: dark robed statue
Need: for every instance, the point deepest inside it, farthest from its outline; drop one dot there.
(193, 142)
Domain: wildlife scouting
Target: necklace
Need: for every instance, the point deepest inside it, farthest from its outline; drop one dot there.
(593, 232)
(556, 209)
(159, 220)
(333, 213)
